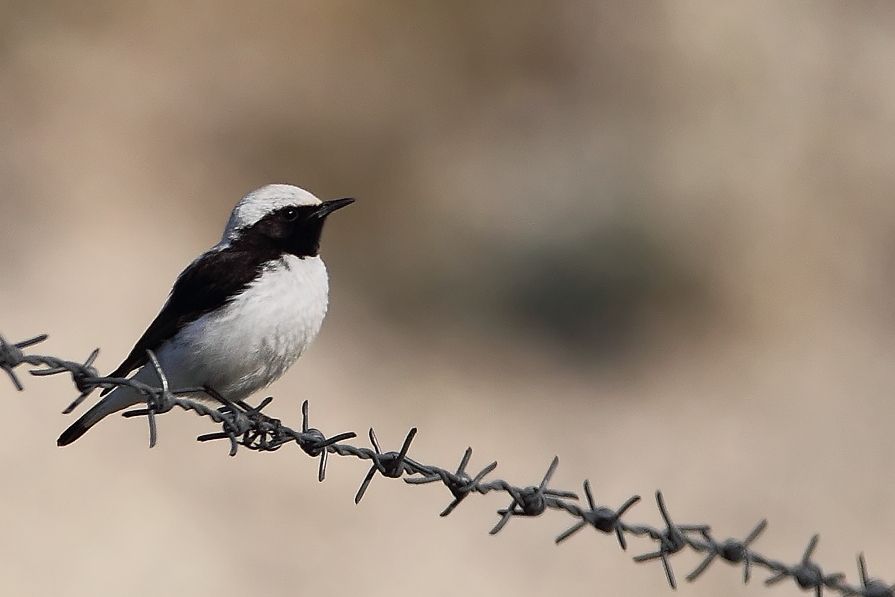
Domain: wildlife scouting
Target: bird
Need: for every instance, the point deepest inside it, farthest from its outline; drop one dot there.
(242, 312)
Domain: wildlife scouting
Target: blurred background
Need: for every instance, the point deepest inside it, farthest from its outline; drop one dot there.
(655, 239)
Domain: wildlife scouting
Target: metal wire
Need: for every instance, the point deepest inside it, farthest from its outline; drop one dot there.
(243, 425)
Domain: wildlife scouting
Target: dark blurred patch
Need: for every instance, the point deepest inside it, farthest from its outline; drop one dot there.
(599, 296)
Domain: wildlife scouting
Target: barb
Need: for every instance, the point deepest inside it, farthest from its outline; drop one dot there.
(246, 426)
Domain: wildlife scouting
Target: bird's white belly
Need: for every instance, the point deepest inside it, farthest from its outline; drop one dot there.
(255, 338)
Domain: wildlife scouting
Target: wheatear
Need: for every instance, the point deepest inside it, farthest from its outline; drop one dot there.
(241, 313)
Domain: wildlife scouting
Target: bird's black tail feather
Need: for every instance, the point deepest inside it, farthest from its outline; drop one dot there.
(119, 399)
(75, 430)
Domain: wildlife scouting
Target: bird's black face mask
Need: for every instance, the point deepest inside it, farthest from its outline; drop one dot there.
(294, 229)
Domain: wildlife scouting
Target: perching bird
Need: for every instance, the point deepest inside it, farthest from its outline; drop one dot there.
(241, 313)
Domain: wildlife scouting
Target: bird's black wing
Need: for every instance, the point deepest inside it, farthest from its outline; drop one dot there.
(205, 285)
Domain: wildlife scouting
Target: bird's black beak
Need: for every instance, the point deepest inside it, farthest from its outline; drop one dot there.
(327, 207)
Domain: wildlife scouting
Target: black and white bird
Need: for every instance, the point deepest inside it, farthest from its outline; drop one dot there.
(240, 314)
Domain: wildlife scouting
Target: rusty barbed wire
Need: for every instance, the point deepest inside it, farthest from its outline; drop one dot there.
(243, 425)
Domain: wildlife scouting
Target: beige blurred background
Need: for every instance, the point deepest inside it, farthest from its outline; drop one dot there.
(655, 239)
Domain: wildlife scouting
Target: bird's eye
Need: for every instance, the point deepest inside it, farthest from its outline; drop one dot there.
(290, 213)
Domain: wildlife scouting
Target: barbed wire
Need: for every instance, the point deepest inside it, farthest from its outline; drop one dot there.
(243, 425)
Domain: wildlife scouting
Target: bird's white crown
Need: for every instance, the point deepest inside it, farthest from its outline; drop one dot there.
(261, 202)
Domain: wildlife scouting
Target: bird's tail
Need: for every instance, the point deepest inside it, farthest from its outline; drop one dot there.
(121, 398)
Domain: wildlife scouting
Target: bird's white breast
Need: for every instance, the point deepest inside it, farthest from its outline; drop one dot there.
(252, 340)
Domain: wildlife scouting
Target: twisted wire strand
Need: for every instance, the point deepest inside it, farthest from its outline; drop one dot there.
(246, 426)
